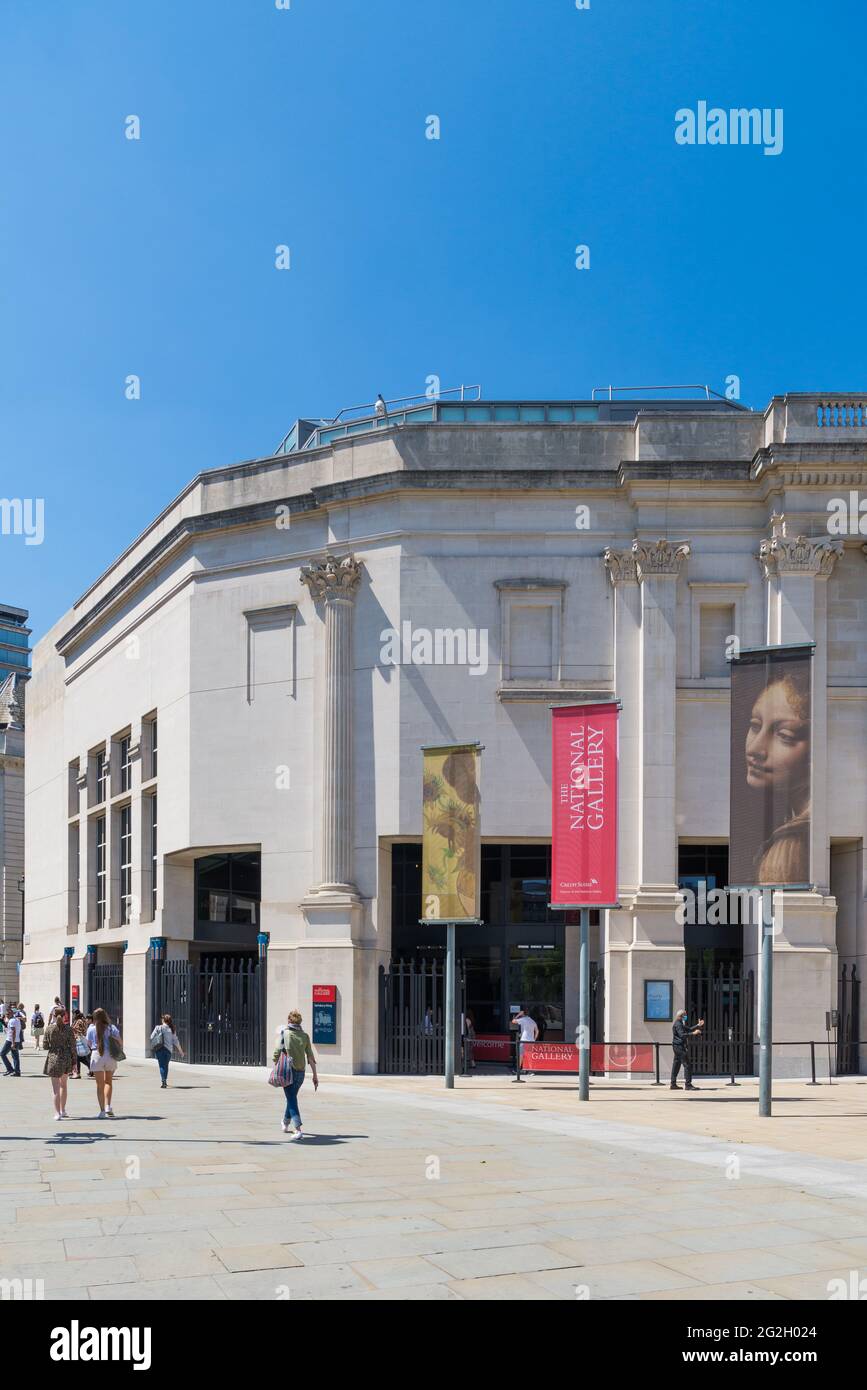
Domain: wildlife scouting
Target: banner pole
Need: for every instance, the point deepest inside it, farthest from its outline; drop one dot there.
(450, 1008)
(766, 1023)
(584, 1009)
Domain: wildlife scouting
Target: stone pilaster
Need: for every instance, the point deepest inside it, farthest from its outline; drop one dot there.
(334, 582)
(796, 569)
(643, 938)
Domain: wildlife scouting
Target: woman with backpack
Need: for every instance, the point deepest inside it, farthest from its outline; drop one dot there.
(105, 1045)
(164, 1041)
(37, 1026)
(60, 1046)
(296, 1044)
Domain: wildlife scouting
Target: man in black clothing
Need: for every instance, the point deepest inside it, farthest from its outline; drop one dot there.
(680, 1036)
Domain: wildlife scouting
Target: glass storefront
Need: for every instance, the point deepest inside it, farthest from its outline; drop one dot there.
(515, 957)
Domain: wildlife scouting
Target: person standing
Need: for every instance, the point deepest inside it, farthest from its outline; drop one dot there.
(60, 1062)
(37, 1026)
(295, 1042)
(12, 1044)
(165, 1042)
(680, 1036)
(100, 1035)
(528, 1032)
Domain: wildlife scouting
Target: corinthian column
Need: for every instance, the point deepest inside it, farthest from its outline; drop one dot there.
(334, 582)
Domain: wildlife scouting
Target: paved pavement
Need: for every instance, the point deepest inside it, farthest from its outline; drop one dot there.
(403, 1191)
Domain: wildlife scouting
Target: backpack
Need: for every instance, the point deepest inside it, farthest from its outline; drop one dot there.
(157, 1038)
(38, 1020)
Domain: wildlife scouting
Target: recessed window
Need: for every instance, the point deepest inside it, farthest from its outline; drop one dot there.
(125, 762)
(125, 826)
(101, 777)
(717, 625)
(101, 877)
(153, 852)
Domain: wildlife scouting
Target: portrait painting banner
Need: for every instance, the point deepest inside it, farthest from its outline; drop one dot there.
(770, 788)
(451, 834)
(584, 806)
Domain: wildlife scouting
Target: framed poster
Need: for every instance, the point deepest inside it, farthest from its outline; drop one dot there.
(658, 1000)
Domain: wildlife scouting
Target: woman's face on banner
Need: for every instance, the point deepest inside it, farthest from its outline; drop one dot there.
(778, 742)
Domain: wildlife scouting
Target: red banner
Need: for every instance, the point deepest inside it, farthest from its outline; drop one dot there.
(631, 1057)
(493, 1047)
(584, 806)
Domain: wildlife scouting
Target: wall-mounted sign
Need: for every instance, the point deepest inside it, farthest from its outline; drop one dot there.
(658, 996)
(325, 1013)
(75, 997)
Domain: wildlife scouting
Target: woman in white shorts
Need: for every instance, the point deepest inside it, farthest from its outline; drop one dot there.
(102, 1064)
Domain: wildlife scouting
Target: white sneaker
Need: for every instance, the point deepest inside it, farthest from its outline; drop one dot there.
(63, 1115)
(57, 1115)
(101, 1115)
(297, 1134)
(284, 1126)
(109, 1113)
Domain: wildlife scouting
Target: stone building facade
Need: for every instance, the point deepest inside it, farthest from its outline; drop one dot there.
(563, 551)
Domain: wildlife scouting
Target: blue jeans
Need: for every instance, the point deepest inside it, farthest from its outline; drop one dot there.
(9, 1046)
(293, 1114)
(163, 1056)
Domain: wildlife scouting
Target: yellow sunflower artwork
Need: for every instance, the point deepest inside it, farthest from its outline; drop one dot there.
(451, 840)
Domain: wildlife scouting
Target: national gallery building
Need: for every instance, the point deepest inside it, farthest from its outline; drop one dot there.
(223, 737)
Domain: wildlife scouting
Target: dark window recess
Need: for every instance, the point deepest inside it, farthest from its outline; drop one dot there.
(229, 889)
(708, 944)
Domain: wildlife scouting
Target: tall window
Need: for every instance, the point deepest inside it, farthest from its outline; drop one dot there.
(125, 763)
(125, 865)
(100, 872)
(153, 768)
(153, 801)
(101, 775)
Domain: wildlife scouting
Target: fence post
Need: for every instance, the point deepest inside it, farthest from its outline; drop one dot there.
(262, 981)
(813, 1063)
(517, 1058)
(89, 966)
(157, 954)
(656, 1047)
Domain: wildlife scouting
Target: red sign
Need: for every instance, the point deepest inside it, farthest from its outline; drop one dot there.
(631, 1057)
(324, 994)
(584, 806)
(75, 997)
(492, 1047)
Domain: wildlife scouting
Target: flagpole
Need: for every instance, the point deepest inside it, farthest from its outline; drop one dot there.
(584, 1008)
(450, 1007)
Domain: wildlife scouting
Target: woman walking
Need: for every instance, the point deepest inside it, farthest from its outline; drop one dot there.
(295, 1042)
(100, 1035)
(82, 1049)
(60, 1046)
(165, 1041)
(37, 1026)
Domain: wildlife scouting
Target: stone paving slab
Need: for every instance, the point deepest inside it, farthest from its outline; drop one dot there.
(404, 1191)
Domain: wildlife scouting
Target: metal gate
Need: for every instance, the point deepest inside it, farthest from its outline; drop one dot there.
(218, 1008)
(597, 1002)
(104, 990)
(724, 999)
(412, 1016)
(849, 1006)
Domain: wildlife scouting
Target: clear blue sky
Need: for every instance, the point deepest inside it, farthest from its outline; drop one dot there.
(409, 256)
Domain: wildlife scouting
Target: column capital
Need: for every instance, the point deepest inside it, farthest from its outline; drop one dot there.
(659, 557)
(336, 578)
(620, 565)
(798, 555)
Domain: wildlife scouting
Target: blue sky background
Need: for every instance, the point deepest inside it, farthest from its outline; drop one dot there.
(409, 256)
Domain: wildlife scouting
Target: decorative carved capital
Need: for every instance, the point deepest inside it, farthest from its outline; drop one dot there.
(798, 555)
(659, 557)
(620, 565)
(334, 578)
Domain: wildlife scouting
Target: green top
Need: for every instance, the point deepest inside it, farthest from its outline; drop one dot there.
(296, 1043)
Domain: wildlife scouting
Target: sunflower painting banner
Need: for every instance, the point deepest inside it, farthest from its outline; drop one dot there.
(451, 839)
